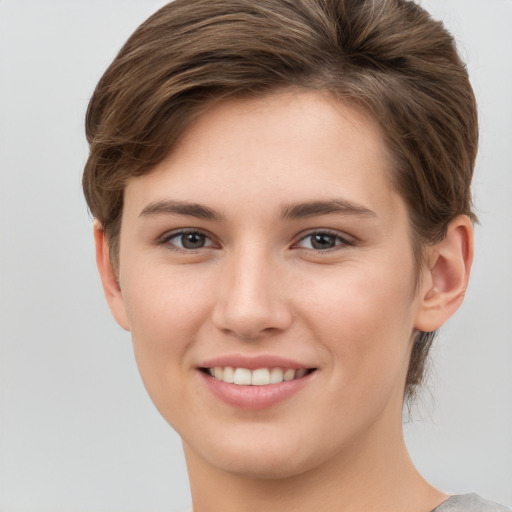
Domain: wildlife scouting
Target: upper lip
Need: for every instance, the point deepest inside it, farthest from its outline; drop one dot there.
(253, 362)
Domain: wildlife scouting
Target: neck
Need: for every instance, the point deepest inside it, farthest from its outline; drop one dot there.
(368, 475)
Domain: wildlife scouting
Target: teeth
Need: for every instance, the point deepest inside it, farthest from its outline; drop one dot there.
(259, 377)
(289, 374)
(276, 376)
(242, 377)
(229, 375)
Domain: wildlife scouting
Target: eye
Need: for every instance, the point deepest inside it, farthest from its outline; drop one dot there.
(323, 240)
(187, 240)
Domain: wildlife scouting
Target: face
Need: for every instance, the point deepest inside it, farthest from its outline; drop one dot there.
(271, 250)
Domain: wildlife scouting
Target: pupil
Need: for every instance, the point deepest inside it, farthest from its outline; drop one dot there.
(323, 241)
(193, 240)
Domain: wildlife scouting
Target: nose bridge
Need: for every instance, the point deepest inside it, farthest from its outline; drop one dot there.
(251, 300)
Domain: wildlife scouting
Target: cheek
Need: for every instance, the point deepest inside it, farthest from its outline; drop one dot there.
(364, 317)
(165, 311)
(165, 303)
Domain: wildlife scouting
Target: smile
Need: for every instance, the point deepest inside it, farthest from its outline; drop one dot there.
(255, 383)
(257, 377)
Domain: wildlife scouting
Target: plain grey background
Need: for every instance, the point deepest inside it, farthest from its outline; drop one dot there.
(77, 430)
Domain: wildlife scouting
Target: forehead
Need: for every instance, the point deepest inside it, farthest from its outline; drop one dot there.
(284, 146)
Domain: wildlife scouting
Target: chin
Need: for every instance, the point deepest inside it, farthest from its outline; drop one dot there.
(259, 455)
(265, 466)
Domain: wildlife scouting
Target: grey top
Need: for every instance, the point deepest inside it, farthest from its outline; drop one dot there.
(469, 503)
(466, 503)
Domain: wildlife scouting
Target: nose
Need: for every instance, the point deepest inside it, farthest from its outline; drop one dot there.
(251, 300)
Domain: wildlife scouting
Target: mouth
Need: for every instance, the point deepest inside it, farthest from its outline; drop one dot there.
(255, 382)
(257, 377)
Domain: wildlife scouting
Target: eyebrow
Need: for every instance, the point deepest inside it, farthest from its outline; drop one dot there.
(181, 208)
(298, 210)
(332, 206)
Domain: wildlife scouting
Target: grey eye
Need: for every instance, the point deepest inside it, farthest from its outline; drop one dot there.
(192, 240)
(320, 241)
(188, 240)
(323, 241)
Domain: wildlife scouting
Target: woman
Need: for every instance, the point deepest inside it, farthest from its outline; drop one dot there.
(283, 220)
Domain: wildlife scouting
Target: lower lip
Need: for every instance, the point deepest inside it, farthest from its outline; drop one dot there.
(254, 397)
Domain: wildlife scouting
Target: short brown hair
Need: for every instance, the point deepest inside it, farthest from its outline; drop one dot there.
(388, 57)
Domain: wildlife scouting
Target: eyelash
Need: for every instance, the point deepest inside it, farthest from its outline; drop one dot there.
(168, 237)
(341, 241)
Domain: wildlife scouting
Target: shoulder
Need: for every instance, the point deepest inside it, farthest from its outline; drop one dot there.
(470, 503)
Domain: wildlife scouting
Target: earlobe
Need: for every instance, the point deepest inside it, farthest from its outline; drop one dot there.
(108, 277)
(444, 281)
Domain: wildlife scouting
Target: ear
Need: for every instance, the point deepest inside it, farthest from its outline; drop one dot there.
(444, 281)
(108, 276)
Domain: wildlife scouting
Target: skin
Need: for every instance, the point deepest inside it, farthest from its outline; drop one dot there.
(259, 286)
